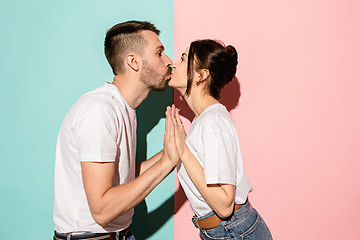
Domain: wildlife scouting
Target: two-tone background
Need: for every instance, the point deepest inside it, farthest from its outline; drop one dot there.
(298, 115)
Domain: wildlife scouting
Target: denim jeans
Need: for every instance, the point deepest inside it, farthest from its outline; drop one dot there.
(245, 224)
(129, 236)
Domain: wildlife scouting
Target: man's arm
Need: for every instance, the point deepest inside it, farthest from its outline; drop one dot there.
(141, 167)
(106, 201)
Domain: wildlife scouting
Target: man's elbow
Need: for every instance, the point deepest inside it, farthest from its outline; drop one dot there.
(101, 220)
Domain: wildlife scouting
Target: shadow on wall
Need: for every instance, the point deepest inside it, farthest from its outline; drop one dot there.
(230, 95)
(149, 113)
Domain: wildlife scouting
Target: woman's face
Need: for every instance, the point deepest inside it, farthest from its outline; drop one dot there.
(179, 73)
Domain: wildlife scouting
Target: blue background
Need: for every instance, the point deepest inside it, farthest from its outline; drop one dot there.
(51, 53)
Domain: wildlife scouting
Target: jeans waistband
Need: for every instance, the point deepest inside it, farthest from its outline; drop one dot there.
(124, 234)
(245, 204)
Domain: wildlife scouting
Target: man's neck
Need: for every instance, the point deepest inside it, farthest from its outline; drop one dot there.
(132, 91)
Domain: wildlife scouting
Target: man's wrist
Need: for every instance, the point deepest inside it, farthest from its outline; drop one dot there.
(166, 163)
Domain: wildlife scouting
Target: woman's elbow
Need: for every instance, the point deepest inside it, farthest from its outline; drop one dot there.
(225, 212)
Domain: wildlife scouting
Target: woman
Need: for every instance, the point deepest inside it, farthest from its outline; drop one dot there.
(211, 171)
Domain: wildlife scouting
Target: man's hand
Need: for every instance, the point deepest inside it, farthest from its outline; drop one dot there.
(169, 138)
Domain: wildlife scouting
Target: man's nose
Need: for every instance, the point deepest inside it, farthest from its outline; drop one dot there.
(168, 61)
(170, 67)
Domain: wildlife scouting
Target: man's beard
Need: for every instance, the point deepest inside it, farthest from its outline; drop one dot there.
(153, 79)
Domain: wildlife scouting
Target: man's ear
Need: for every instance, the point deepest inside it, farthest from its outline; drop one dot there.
(132, 60)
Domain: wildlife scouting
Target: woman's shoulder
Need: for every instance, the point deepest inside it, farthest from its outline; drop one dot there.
(217, 111)
(215, 117)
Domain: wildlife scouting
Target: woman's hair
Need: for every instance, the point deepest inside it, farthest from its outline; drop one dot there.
(220, 60)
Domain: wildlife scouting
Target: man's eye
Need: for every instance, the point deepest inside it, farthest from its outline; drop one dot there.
(160, 53)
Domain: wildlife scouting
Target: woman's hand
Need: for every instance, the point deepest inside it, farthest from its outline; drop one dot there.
(180, 134)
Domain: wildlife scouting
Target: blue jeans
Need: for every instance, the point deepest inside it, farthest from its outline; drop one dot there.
(128, 236)
(245, 224)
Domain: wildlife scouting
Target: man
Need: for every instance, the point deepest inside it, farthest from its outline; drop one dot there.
(95, 184)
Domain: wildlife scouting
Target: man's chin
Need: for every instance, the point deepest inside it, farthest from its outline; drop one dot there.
(159, 88)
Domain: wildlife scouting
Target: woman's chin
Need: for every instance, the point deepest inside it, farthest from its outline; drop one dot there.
(181, 89)
(171, 84)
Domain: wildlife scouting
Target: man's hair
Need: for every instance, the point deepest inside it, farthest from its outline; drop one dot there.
(123, 38)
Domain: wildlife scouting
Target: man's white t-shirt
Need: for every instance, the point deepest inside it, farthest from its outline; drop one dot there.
(100, 127)
(214, 141)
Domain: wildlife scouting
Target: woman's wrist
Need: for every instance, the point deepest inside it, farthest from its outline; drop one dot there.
(186, 154)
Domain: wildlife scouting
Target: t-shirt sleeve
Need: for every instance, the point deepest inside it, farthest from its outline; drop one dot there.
(219, 157)
(96, 134)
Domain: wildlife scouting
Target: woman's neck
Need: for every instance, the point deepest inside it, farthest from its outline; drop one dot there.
(199, 101)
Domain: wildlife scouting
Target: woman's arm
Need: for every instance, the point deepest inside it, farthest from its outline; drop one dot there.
(220, 197)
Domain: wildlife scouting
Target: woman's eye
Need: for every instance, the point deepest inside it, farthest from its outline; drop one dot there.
(182, 59)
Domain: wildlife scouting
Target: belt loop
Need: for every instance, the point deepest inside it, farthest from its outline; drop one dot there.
(194, 221)
(68, 237)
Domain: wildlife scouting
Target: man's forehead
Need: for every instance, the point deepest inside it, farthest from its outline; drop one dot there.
(152, 40)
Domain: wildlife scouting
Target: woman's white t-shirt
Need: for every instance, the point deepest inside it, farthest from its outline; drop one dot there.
(213, 140)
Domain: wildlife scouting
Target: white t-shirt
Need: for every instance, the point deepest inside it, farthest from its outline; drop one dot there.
(100, 127)
(213, 140)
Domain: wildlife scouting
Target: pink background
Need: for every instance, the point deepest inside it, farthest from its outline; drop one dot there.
(298, 117)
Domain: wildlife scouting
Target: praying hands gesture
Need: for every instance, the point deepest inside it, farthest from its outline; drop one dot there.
(180, 134)
(170, 150)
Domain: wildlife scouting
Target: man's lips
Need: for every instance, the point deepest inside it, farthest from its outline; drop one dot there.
(169, 75)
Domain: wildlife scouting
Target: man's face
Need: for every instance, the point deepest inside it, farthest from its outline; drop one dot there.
(156, 69)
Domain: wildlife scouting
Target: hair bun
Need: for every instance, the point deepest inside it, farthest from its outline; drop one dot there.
(232, 53)
(233, 61)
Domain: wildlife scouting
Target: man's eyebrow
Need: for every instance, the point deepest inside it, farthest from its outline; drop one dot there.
(161, 47)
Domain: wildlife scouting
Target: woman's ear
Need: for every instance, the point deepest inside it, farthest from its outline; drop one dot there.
(132, 60)
(201, 76)
(204, 74)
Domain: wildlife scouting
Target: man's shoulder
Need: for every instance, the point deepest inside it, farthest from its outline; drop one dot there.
(94, 102)
(101, 96)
